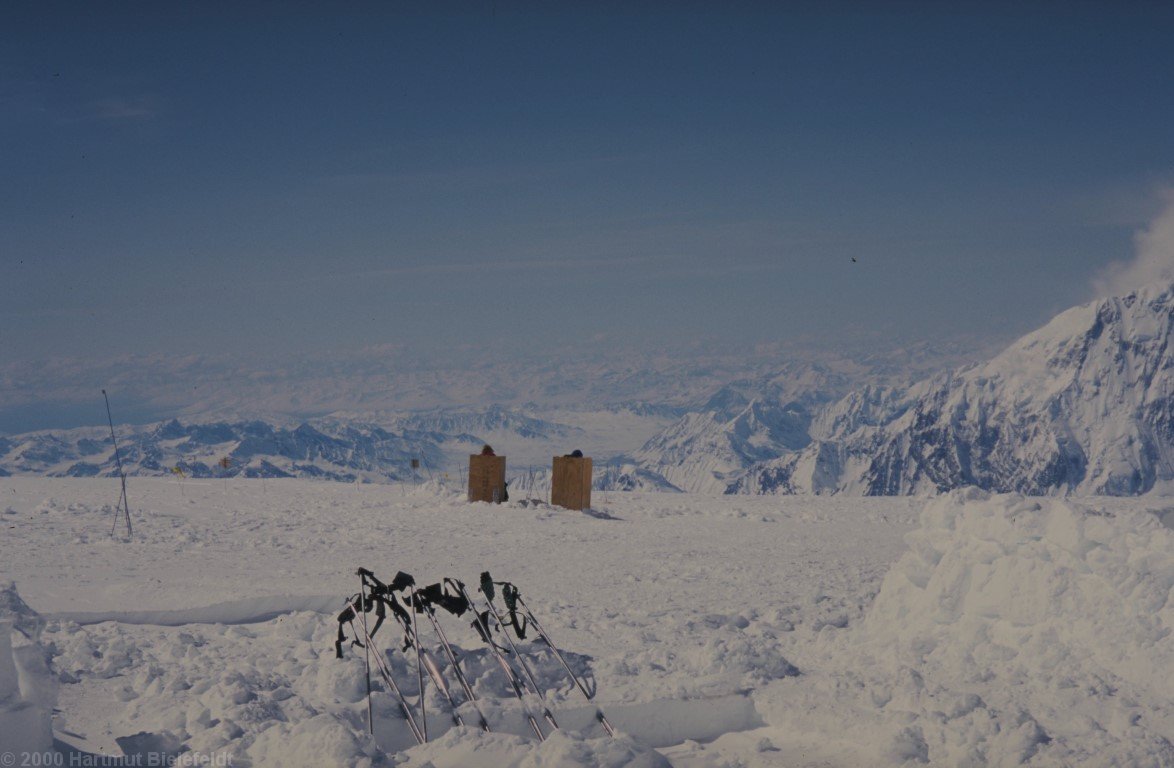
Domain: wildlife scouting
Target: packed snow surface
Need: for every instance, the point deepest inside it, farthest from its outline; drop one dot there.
(714, 631)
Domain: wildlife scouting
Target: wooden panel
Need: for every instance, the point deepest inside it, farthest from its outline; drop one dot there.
(570, 482)
(486, 478)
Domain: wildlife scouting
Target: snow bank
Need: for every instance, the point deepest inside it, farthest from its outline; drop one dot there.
(274, 694)
(244, 611)
(466, 748)
(1015, 631)
(223, 688)
(315, 742)
(1038, 585)
(27, 693)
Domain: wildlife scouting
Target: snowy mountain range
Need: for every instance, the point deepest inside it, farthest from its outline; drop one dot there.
(1081, 405)
(743, 423)
(343, 447)
(252, 449)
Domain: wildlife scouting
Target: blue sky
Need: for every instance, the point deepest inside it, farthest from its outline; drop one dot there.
(291, 182)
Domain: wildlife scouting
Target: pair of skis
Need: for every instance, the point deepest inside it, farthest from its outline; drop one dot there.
(403, 599)
(427, 608)
(452, 596)
(516, 606)
(363, 638)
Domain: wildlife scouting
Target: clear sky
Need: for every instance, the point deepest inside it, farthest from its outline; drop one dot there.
(250, 178)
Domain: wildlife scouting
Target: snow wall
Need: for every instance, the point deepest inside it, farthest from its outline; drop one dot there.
(27, 687)
(1014, 631)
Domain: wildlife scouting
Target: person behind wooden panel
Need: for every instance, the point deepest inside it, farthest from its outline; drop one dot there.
(487, 477)
(570, 482)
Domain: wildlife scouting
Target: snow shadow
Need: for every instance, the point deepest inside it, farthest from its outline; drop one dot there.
(600, 514)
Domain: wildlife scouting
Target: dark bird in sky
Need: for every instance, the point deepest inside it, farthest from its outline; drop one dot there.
(853, 259)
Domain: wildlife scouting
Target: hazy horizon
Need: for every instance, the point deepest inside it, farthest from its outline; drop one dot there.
(235, 196)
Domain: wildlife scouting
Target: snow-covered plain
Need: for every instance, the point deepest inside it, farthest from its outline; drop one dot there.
(719, 631)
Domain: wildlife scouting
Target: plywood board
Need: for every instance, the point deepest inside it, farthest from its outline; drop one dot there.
(570, 482)
(486, 478)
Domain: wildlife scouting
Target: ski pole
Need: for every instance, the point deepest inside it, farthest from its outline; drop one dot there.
(611, 731)
(452, 659)
(367, 665)
(419, 673)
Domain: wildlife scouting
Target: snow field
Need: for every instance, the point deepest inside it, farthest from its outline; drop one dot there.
(719, 632)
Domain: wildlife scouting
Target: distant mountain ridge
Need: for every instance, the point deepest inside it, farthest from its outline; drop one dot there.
(338, 447)
(253, 449)
(341, 447)
(491, 419)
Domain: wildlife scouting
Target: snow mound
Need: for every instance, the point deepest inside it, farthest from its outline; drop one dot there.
(237, 689)
(1018, 631)
(1035, 587)
(317, 741)
(467, 748)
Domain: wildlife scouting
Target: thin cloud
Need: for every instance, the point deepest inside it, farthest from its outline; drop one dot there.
(114, 110)
(1154, 259)
(508, 265)
(123, 109)
(487, 266)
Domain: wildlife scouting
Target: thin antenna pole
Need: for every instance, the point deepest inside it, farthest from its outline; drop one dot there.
(121, 473)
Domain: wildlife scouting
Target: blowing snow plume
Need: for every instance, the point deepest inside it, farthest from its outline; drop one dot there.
(1153, 263)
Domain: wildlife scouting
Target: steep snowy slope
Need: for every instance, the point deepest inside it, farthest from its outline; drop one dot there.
(702, 451)
(1082, 405)
(744, 423)
(764, 422)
